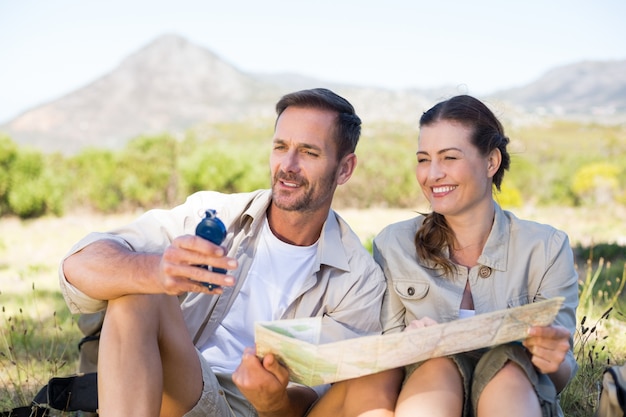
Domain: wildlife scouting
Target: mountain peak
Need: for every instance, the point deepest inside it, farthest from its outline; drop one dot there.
(167, 86)
(172, 84)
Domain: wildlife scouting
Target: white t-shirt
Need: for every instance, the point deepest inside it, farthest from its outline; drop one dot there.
(463, 313)
(274, 280)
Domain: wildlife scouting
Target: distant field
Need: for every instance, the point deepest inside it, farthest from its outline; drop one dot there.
(30, 250)
(583, 225)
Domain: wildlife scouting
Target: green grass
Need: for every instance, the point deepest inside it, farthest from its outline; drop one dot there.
(600, 338)
(38, 340)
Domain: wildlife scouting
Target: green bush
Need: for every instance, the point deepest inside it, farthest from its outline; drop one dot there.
(553, 151)
(596, 183)
(212, 168)
(551, 164)
(525, 176)
(385, 172)
(229, 158)
(509, 195)
(33, 190)
(95, 181)
(607, 251)
(8, 153)
(147, 171)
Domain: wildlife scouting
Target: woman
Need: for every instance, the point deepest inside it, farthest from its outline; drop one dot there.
(468, 257)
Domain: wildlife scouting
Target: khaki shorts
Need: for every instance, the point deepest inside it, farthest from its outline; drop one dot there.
(220, 397)
(477, 368)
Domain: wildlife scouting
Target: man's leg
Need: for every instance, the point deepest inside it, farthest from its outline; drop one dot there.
(148, 365)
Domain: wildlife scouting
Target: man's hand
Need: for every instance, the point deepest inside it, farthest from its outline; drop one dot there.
(106, 269)
(264, 383)
(548, 347)
(179, 271)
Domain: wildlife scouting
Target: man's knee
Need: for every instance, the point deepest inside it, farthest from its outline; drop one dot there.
(135, 313)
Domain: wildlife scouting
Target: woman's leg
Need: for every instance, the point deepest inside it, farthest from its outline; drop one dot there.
(434, 389)
(368, 396)
(509, 393)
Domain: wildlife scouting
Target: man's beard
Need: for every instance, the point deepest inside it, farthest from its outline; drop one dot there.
(309, 198)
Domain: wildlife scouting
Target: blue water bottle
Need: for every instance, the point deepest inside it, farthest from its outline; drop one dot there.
(212, 229)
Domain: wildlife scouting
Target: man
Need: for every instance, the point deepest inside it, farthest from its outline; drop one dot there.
(171, 346)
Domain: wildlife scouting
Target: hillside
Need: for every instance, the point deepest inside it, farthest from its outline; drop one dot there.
(172, 85)
(589, 88)
(167, 86)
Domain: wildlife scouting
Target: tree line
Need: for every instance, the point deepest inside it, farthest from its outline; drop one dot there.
(562, 163)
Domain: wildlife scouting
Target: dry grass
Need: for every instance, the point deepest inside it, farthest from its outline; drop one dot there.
(30, 252)
(584, 225)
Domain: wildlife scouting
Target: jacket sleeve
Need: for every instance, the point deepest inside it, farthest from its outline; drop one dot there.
(151, 232)
(359, 312)
(393, 310)
(561, 280)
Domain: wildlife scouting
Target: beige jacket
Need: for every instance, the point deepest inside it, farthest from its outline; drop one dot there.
(346, 287)
(522, 262)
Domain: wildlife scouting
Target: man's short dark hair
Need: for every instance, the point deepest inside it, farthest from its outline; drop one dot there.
(348, 124)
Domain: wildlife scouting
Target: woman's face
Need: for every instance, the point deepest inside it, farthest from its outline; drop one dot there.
(454, 177)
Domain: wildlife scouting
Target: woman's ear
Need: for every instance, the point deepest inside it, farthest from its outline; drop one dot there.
(494, 159)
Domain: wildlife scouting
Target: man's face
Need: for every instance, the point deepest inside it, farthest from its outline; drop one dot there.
(303, 161)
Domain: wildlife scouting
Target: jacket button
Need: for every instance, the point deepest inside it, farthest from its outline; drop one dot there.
(411, 291)
(484, 272)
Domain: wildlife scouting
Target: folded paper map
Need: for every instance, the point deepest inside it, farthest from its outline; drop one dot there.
(296, 342)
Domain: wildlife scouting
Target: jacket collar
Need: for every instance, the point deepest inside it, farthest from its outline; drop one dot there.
(496, 250)
(330, 250)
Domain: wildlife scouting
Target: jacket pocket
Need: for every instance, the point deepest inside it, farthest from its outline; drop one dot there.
(411, 290)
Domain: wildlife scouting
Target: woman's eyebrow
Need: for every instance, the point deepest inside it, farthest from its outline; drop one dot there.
(441, 150)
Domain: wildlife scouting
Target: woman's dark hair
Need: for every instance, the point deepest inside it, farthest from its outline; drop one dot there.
(487, 134)
(347, 123)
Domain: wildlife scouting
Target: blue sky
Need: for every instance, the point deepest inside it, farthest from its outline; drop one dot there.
(49, 48)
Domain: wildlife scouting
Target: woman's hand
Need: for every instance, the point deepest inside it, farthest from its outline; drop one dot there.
(548, 347)
(418, 324)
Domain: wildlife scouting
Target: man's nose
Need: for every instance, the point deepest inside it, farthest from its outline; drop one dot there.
(291, 162)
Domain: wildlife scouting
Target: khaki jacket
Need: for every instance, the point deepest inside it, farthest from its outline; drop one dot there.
(522, 262)
(346, 287)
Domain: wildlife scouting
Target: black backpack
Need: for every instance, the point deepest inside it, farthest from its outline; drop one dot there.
(73, 393)
(76, 392)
